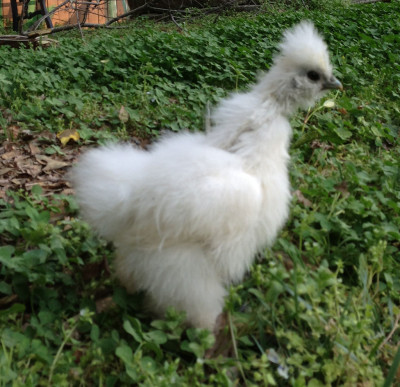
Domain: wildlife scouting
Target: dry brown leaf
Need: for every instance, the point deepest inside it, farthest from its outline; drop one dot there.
(68, 191)
(21, 159)
(33, 170)
(47, 135)
(17, 181)
(123, 115)
(55, 164)
(343, 188)
(302, 199)
(9, 155)
(322, 145)
(43, 159)
(51, 164)
(3, 171)
(105, 304)
(28, 166)
(34, 149)
(8, 299)
(12, 132)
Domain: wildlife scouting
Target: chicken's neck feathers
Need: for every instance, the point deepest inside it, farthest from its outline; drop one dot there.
(252, 125)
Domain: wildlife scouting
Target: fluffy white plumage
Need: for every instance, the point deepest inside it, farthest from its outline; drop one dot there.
(188, 216)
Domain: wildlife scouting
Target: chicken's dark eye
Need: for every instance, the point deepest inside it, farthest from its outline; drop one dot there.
(313, 75)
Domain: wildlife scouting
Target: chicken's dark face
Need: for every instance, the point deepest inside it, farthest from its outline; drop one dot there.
(309, 84)
(321, 80)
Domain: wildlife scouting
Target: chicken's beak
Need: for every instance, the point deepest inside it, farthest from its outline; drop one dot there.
(332, 83)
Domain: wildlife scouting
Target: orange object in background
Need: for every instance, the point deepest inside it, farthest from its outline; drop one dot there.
(96, 11)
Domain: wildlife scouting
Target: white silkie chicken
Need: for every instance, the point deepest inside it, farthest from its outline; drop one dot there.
(188, 216)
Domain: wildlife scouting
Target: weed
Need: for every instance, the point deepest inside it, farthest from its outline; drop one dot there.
(321, 307)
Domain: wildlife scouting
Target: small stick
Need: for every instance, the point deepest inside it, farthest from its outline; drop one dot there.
(389, 336)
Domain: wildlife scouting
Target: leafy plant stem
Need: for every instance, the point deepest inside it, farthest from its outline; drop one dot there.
(235, 349)
(296, 295)
(333, 205)
(60, 349)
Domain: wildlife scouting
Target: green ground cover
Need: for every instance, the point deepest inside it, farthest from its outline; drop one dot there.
(320, 308)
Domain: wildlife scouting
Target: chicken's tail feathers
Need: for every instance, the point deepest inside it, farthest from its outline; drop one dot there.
(103, 180)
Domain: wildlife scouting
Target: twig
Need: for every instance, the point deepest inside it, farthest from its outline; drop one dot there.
(79, 22)
(166, 10)
(69, 27)
(176, 23)
(389, 336)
